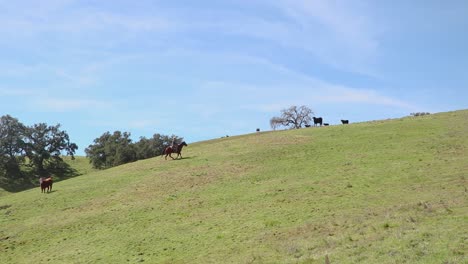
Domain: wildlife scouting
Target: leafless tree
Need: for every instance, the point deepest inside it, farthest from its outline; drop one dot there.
(292, 117)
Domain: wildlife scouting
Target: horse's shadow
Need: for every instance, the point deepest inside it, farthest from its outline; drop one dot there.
(51, 192)
(184, 158)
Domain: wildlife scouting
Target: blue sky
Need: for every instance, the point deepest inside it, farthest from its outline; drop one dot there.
(206, 69)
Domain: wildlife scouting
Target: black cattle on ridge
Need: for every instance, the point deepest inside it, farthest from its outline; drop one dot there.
(344, 121)
(317, 120)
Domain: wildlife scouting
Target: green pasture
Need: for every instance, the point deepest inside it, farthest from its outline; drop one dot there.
(392, 191)
(72, 168)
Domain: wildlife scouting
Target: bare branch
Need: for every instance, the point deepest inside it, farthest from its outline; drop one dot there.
(292, 117)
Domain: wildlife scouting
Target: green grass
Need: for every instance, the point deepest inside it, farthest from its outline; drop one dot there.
(80, 165)
(390, 191)
(29, 179)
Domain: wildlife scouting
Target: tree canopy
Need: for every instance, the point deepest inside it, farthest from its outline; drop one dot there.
(40, 144)
(115, 149)
(292, 117)
(12, 136)
(47, 143)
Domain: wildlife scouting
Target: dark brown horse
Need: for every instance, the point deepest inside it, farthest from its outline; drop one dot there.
(178, 149)
(46, 184)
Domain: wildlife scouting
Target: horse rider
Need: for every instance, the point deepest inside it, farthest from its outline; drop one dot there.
(174, 144)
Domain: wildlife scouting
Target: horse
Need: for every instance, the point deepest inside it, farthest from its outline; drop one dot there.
(317, 120)
(46, 184)
(168, 151)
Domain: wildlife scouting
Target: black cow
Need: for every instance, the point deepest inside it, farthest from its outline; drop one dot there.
(326, 124)
(344, 121)
(317, 120)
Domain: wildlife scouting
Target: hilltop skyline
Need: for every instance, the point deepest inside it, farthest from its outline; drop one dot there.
(208, 69)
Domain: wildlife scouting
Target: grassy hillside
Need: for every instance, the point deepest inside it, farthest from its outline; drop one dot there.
(379, 192)
(80, 165)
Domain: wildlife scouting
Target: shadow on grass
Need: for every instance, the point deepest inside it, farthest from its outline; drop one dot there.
(27, 179)
(189, 157)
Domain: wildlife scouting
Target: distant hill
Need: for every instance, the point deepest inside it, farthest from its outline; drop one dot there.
(392, 191)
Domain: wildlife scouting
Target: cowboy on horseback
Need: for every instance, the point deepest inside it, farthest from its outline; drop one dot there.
(174, 144)
(174, 148)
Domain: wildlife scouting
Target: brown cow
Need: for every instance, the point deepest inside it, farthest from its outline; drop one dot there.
(46, 184)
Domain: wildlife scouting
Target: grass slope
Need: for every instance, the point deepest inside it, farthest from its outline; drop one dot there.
(379, 192)
(75, 167)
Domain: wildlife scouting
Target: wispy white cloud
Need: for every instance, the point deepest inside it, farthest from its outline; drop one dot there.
(18, 69)
(349, 22)
(16, 92)
(67, 105)
(292, 88)
(27, 19)
(270, 99)
(363, 96)
(79, 76)
(132, 121)
(339, 33)
(143, 123)
(103, 20)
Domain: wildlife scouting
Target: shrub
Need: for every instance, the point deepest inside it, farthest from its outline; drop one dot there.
(420, 113)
